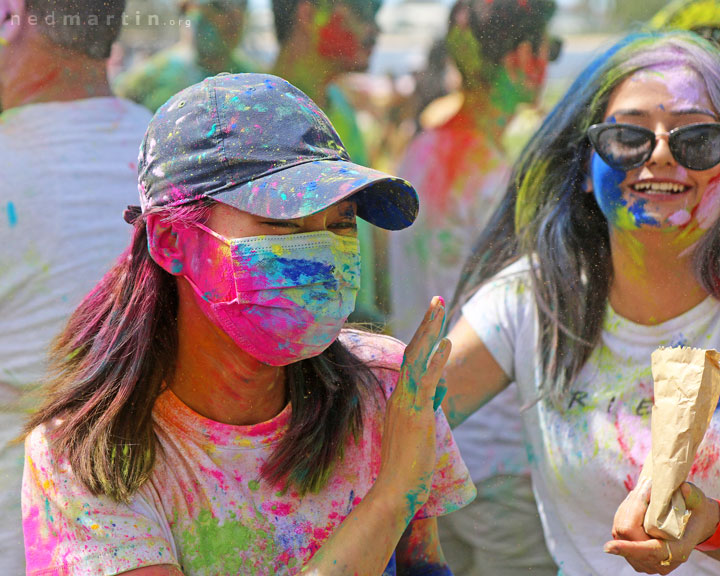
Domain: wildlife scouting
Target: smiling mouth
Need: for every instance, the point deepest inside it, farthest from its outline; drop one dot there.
(660, 188)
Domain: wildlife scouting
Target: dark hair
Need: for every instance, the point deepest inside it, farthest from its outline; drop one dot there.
(86, 26)
(284, 13)
(500, 26)
(109, 365)
(548, 218)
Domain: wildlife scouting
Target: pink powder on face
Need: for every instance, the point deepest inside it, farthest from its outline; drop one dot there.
(680, 218)
(709, 207)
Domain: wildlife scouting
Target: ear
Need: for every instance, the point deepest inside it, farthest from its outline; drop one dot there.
(12, 17)
(518, 61)
(164, 244)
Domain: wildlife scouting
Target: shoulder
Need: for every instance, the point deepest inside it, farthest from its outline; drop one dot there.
(383, 355)
(377, 351)
(134, 112)
(41, 454)
(509, 290)
(517, 273)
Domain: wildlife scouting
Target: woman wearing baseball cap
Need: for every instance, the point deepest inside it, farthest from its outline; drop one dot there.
(207, 412)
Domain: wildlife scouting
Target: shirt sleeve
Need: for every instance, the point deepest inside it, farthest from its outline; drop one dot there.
(496, 313)
(452, 487)
(69, 531)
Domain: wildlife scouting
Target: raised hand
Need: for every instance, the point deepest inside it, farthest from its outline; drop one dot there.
(408, 448)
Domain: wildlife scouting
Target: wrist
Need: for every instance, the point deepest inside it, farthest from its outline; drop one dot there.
(713, 541)
(399, 506)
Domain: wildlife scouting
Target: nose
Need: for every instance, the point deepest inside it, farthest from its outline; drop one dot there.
(661, 154)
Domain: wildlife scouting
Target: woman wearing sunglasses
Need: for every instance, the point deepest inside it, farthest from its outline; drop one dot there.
(208, 415)
(604, 248)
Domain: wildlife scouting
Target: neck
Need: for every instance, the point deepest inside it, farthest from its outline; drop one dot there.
(44, 72)
(217, 379)
(479, 112)
(299, 66)
(653, 279)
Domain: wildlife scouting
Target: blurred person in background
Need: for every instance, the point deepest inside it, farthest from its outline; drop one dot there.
(206, 48)
(501, 50)
(68, 153)
(699, 16)
(320, 40)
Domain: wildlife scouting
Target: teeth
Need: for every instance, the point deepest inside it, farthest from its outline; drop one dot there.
(659, 187)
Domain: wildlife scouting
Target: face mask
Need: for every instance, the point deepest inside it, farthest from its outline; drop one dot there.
(293, 293)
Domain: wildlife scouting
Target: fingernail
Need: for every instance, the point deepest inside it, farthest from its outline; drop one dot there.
(440, 302)
(610, 550)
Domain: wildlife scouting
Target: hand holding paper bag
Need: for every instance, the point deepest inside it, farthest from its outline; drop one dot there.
(687, 388)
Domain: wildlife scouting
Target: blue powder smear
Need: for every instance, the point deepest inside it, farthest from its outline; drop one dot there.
(12, 215)
(606, 187)
(641, 217)
(304, 271)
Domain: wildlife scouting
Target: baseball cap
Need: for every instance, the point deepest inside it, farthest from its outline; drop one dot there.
(258, 144)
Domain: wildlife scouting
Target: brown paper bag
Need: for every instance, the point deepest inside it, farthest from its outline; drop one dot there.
(687, 388)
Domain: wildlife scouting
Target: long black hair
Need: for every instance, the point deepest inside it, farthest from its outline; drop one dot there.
(547, 217)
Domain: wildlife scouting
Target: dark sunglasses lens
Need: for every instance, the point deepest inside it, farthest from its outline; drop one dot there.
(697, 147)
(624, 147)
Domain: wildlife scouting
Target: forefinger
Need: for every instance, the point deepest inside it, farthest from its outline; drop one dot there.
(646, 555)
(423, 341)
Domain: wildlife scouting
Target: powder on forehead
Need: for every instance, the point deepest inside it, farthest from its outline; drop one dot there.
(683, 82)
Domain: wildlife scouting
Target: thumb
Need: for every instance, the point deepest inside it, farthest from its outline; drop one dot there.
(693, 496)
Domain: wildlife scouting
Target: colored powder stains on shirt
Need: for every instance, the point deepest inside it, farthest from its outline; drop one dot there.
(588, 452)
(209, 546)
(205, 500)
(11, 215)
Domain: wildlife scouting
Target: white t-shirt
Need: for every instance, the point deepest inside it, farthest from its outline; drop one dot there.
(68, 170)
(587, 457)
(204, 508)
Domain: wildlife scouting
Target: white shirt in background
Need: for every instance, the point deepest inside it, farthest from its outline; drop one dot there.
(67, 172)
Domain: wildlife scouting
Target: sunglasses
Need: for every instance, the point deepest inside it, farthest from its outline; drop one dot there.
(626, 146)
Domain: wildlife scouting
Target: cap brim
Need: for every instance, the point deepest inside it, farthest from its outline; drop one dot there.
(304, 189)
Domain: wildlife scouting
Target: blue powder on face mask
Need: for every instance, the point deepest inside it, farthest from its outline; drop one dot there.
(305, 271)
